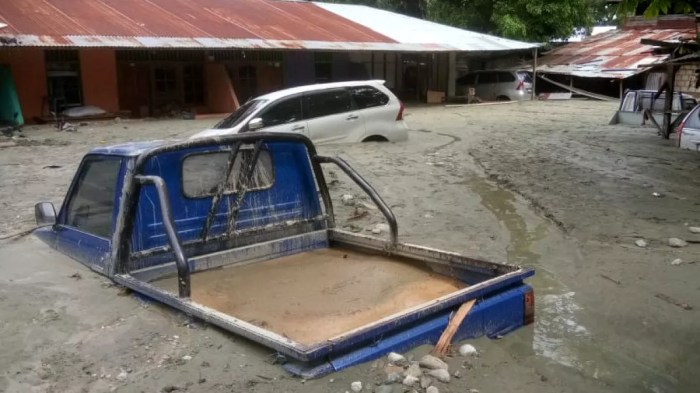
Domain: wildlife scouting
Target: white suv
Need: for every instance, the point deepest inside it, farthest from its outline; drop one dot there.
(359, 111)
(498, 85)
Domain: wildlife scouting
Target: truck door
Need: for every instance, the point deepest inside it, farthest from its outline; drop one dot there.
(86, 222)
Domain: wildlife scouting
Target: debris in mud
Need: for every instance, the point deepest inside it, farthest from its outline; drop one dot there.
(52, 167)
(347, 199)
(410, 380)
(359, 213)
(468, 350)
(677, 262)
(433, 363)
(392, 378)
(694, 229)
(432, 389)
(676, 242)
(413, 371)
(457, 374)
(440, 374)
(618, 282)
(76, 276)
(187, 357)
(356, 386)
(379, 228)
(657, 194)
(384, 389)
(673, 301)
(425, 382)
(396, 358)
(170, 388)
(640, 243)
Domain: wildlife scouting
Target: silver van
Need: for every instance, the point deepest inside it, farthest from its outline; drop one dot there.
(497, 85)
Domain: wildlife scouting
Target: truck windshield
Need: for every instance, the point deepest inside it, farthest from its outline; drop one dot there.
(239, 114)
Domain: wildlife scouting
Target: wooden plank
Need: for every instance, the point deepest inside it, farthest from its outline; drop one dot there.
(445, 340)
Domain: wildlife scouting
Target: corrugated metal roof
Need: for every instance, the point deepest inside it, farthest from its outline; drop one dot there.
(265, 24)
(617, 53)
(410, 30)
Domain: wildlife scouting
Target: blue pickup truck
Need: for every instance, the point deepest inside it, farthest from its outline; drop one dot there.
(239, 231)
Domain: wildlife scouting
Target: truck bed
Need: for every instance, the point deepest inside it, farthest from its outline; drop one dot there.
(316, 295)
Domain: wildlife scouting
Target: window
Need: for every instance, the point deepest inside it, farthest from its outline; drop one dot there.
(202, 173)
(367, 97)
(165, 80)
(240, 114)
(525, 77)
(693, 120)
(329, 102)
(506, 77)
(468, 79)
(487, 77)
(91, 204)
(63, 79)
(193, 83)
(285, 111)
(323, 67)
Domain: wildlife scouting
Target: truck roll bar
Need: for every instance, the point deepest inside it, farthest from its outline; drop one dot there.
(366, 187)
(183, 269)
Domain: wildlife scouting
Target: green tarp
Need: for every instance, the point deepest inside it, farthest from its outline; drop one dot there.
(10, 111)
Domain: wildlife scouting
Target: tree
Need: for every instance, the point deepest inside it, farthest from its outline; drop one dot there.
(531, 20)
(652, 8)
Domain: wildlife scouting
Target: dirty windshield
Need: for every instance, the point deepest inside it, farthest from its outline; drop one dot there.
(240, 114)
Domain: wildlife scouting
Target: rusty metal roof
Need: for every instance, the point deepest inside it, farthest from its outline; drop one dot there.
(617, 53)
(264, 24)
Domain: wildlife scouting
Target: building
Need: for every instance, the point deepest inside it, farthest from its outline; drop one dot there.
(610, 62)
(162, 56)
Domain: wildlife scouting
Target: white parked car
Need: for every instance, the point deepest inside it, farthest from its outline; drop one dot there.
(359, 111)
(689, 130)
(498, 85)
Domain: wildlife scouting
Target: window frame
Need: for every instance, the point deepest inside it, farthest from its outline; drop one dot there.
(225, 193)
(261, 113)
(305, 104)
(62, 220)
(354, 103)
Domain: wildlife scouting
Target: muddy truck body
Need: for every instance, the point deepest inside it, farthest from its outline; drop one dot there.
(239, 231)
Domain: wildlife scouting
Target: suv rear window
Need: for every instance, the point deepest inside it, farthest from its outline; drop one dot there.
(368, 96)
(329, 102)
(202, 173)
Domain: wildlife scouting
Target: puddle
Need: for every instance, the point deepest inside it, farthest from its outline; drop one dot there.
(559, 335)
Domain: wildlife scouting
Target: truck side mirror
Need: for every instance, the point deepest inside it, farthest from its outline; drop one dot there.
(255, 124)
(45, 214)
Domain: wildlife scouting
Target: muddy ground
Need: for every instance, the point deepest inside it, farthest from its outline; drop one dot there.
(544, 184)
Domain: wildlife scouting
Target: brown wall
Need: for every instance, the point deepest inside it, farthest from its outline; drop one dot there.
(98, 73)
(29, 74)
(269, 79)
(221, 97)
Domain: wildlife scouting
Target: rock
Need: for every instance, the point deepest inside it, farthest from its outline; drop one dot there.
(410, 380)
(694, 229)
(392, 378)
(187, 357)
(347, 199)
(469, 350)
(640, 243)
(356, 386)
(457, 374)
(413, 371)
(432, 389)
(676, 242)
(440, 374)
(677, 262)
(170, 388)
(432, 363)
(376, 231)
(382, 227)
(394, 357)
(122, 375)
(425, 382)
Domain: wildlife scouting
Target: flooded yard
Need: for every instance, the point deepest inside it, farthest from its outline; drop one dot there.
(543, 184)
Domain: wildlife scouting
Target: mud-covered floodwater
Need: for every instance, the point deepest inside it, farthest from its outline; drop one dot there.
(316, 295)
(543, 184)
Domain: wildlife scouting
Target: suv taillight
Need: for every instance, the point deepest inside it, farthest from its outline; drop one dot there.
(521, 85)
(529, 304)
(399, 117)
(679, 130)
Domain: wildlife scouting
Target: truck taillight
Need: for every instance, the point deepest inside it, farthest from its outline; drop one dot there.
(529, 304)
(399, 117)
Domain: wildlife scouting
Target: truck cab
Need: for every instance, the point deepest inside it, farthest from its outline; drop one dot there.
(239, 231)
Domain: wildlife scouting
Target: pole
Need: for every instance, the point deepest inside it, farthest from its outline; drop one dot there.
(534, 72)
(668, 103)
